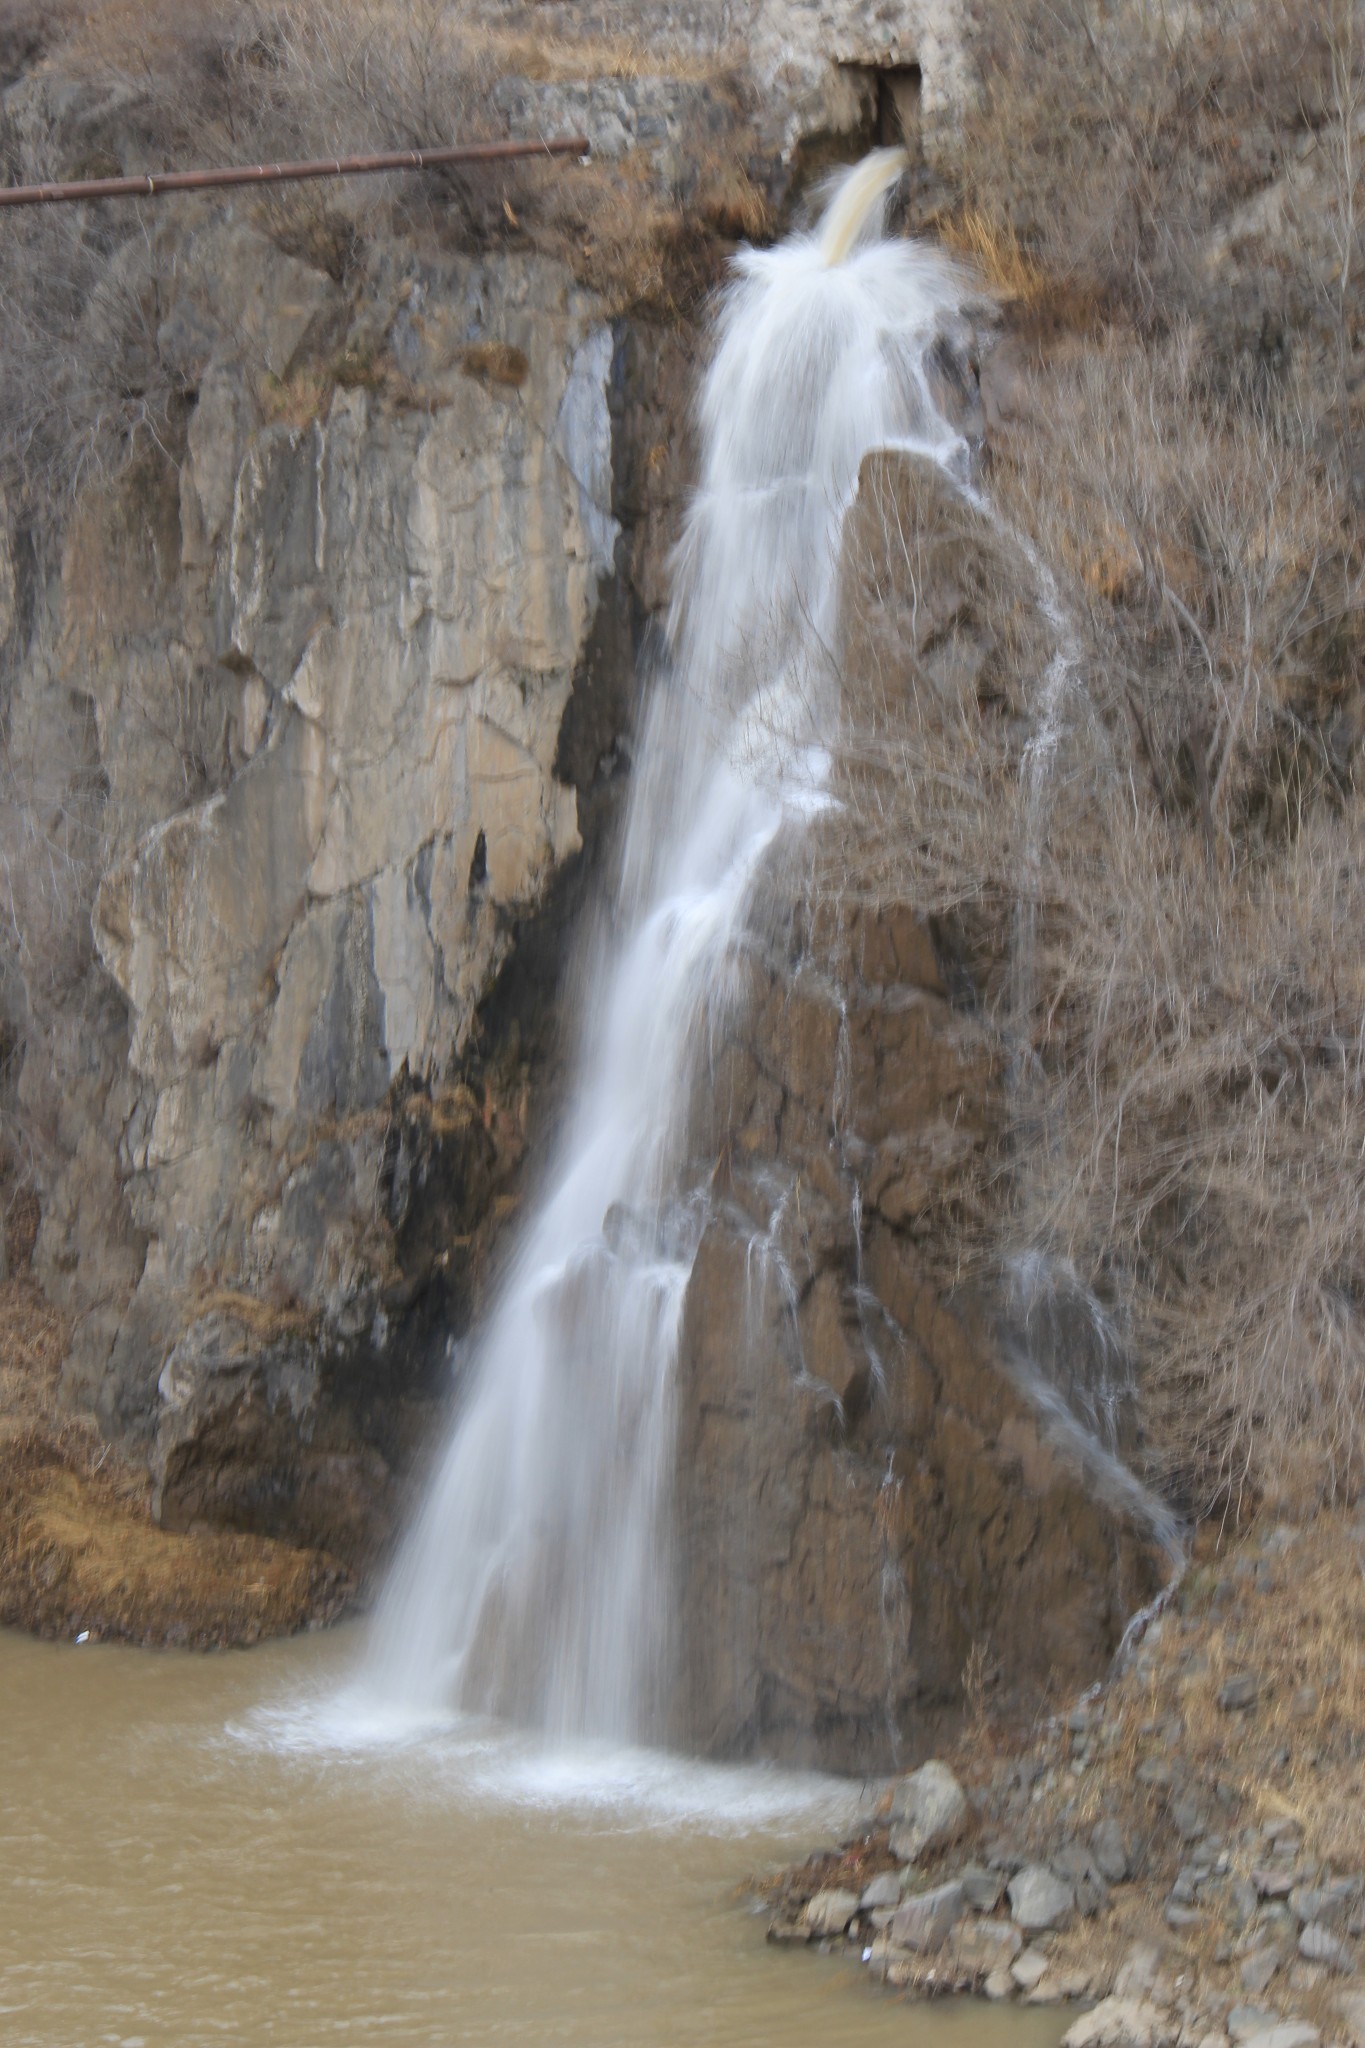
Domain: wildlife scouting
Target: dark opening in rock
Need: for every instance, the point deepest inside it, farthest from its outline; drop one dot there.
(898, 88)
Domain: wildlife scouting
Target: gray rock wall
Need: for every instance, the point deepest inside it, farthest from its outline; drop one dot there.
(322, 650)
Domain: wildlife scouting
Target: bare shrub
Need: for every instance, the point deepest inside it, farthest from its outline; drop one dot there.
(1110, 137)
(1144, 818)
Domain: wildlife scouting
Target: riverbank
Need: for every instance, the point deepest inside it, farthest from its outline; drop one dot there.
(1181, 1851)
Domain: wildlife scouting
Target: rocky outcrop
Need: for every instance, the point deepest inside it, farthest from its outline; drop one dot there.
(869, 1506)
(342, 667)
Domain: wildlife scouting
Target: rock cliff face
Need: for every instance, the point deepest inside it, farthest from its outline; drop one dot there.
(322, 656)
(870, 1508)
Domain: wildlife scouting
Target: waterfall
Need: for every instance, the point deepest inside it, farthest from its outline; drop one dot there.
(535, 1582)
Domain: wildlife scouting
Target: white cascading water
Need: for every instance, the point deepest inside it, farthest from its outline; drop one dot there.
(535, 1582)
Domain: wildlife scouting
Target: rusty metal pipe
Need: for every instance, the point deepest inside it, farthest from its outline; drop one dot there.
(153, 184)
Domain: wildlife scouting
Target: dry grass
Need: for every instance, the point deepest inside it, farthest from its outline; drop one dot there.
(81, 294)
(1109, 138)
(78, 1547)
(1162, 908)
(1153, 869)
(993, 249)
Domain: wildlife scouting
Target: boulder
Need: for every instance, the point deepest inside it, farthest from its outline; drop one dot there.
(1109, 1847)
(1120, 2023)
(1039, 1899)
(1329, 1905)
(982, 1947)
(1317, 1944)
(1138, 1972)
(1256, 1970)
(929, 1809)
(1238, 1693)
(1078, 1868)
(883, 1891)
(1029, 1969)
(829, 1912)
(1245, 2021)
(923, 1923)
(982, 1888)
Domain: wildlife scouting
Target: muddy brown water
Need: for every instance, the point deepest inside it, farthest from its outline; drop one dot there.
(197, 1850)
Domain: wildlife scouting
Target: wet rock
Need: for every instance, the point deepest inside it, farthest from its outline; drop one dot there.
(1109, 1847)
(1120, 2023)
(924, 1923)
(1238, 1693)
(929, 1809)
(829, 1912)
(1039, 1899)
(1317, 1944)
(883, 1891)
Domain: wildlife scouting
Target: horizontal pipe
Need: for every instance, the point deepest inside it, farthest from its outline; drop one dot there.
(153, 184)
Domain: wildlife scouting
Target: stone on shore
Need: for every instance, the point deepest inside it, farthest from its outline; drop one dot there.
(924, 1923)
(1029, 1969)
(1138, 1972)
(983, 1888)
(1109, 1847)
(1039, 1899)
(929, 1810)
(829, 1912)
(881, 1892)
(1351, 2006)
(1120, 2023)
(981, 1948)
(1258, 1968)
(1077, 1867)
(1317, 1944)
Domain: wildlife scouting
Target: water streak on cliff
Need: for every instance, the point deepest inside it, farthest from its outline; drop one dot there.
(535, 1582)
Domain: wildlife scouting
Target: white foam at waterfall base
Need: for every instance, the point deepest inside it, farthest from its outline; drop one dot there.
(534, 1585)
(476, 1764)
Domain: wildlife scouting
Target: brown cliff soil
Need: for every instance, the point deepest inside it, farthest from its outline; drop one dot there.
(78, 1547)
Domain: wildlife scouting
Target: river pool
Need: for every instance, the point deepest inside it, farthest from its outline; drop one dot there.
(199, 1850)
